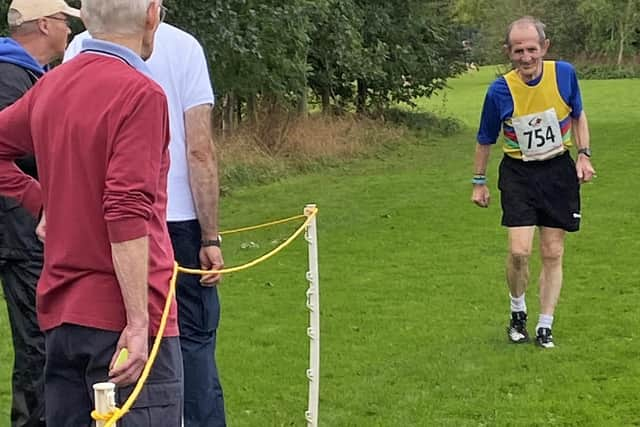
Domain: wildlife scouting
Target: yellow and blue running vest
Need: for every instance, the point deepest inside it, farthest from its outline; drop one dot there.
(534, 99)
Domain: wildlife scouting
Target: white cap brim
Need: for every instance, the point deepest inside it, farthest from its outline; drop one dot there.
(71, 11)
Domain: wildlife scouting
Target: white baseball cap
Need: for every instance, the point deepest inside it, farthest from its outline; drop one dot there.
(29, 10)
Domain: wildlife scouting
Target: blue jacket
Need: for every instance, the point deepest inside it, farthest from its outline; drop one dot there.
(17, 238)
(13, 53)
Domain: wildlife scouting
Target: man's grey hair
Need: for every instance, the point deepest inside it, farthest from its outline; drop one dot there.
(122, 17)
(523, 22)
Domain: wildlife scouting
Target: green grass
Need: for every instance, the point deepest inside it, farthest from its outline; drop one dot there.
(413, 297)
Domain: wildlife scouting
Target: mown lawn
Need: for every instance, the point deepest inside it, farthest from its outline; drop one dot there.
(413, 297)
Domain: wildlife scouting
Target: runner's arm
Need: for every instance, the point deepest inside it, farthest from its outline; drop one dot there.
(580, 127)
(584, 169)
(481, 159)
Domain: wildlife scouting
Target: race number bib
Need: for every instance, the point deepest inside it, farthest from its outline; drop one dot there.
(539, 135)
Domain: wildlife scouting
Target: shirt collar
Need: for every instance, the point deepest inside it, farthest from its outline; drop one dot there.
(112, 49)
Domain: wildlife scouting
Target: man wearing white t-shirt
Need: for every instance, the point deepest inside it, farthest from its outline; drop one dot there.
(179, 66)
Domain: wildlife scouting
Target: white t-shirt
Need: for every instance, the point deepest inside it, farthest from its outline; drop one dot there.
(179, 66)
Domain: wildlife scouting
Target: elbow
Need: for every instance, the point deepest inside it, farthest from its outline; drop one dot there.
(201, 154)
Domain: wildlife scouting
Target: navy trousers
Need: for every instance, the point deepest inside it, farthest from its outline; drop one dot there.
(198, 317)
(19, 279)
(21, 257)
(78, 357)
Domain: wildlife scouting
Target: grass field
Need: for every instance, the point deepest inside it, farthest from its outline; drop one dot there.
(414, 303)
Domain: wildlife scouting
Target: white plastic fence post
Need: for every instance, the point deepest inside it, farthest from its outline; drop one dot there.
(313, 304)
(105, 397)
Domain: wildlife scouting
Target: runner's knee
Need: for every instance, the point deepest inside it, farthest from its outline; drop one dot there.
(519, 260)
(551, 253)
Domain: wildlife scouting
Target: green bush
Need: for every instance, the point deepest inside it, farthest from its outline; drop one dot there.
(427, 122)
(607, 71)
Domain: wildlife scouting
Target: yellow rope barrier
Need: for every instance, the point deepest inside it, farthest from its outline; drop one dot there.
(113, 416)
(257, 260)
(268, 224)
(102, 417)
(120, 412)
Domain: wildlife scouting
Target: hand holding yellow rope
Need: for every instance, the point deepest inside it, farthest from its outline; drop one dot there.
(113, 416)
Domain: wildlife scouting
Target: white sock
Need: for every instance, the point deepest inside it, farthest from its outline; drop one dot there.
(544, 321)
(518, 304)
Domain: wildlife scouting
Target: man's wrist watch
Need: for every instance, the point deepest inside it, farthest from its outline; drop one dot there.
(585, 151)
(211, 242)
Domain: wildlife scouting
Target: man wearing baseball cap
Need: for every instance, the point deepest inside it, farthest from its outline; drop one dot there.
(38, 35)
(99, 128)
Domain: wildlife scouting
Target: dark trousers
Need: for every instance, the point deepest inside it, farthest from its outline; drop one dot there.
(198, 317)
(19, 279)
(78, 357)
(21, 258)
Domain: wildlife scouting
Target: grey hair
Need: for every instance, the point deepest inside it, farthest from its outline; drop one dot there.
(17, 26)
(523, 22)
(122, 17)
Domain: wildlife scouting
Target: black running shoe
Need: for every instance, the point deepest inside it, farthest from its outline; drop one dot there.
(544, 338)
(517, 329)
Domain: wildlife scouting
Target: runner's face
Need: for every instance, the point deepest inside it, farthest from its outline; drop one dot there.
(526, 52)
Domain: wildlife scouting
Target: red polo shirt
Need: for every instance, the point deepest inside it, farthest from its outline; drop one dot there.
(99, 131)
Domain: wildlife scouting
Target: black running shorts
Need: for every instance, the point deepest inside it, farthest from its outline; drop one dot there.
(544, 193)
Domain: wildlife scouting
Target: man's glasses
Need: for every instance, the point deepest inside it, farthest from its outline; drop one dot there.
(57, 18)
(163, 13)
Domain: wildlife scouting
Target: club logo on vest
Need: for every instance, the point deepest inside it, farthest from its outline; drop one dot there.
(535, 122)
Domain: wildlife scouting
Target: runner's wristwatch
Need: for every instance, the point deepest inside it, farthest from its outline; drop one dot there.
(585, 151)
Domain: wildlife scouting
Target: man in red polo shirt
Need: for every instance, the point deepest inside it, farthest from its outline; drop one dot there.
(98, 126)
(38, 33)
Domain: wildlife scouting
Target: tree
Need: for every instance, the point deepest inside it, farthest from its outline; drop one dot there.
(4, 29)
(336, 51)
(599, 27)
(614, 26)
(255, 48)
(411, 48)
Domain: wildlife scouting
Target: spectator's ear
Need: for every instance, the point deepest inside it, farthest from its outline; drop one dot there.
(152, 22)
(43, 25)
(153, 16)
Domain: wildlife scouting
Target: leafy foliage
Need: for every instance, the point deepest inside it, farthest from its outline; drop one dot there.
(607, 71)
(273, 50)
(336, 52)
(4, 7)
(424, 122)
(412, 48)
(604, 30)
(267, 55)
(253, 46)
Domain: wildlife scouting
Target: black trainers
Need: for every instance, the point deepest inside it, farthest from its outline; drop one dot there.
(517, 329)
(544, 338)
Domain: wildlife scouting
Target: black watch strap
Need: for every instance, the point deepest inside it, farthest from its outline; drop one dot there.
(585, 151)
(212, 242)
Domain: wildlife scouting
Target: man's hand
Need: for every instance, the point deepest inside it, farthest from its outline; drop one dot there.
(211, 259)
(41, 229)
(584, 169)
(136, 340)
(480, 195)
